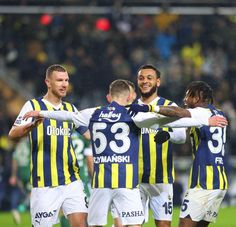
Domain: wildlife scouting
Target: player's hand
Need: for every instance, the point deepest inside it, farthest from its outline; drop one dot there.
(37, 121)
(136, 108)
(33, 113)
(161, 137)
(218, 121)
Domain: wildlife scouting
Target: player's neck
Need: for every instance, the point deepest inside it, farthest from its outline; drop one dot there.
(201, 104)
(149, 99)
(121, 101)
(54, 100)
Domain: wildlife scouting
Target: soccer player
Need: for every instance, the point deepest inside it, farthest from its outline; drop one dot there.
(208, 180)
(84, 155)
(20, 176)
(115, 140)
(133, 94)
(156, 168)
(114, 213)
(54, 168)
(115, 150)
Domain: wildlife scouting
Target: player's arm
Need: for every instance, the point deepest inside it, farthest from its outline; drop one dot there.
(88, 153)
(17, 132)
(177, 135)
(155, 121)
(194, 116)
(78, 118)
(87, 135)
(170, 111)
(215, 121)
(22, 127)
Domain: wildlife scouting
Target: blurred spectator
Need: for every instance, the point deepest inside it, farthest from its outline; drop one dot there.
(177, 192)
(19, 179)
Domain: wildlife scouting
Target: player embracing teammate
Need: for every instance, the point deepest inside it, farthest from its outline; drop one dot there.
(118, 158)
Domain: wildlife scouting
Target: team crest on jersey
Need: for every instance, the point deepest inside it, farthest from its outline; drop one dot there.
(111, 108)
(110, 116)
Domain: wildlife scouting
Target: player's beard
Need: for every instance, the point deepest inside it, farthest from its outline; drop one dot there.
(58, 94)
(149, 93)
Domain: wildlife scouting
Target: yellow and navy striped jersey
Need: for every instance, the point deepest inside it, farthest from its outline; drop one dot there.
(115, 139)
(208, 145)
(53, 160)
(155, 160)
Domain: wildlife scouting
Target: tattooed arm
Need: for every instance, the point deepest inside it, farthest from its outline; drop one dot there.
(172, 111)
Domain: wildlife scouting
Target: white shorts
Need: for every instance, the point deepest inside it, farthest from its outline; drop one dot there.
(160, 198)
(46, 203)
(127, 202)
(201, 204)
(114, 211)
(115, 214)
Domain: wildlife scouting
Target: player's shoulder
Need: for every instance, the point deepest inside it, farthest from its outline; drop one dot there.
(31, 103)
(98, 107)
(67, 103)
(200, 111)
(161, 101)
(69, 106)
(34, 102)
(215, 110)
(37, 99)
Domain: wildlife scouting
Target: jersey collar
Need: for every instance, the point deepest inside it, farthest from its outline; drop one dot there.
(153, 102)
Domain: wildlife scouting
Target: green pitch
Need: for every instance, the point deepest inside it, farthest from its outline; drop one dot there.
(226, 219)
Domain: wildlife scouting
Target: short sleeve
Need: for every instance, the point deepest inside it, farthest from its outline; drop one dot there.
(26, 108)
(202, 114)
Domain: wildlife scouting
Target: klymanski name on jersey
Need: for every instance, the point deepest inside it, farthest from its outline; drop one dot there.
(110, 116)
(112, 159)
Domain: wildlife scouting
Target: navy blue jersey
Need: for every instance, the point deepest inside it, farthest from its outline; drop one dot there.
(208, 144)
(115, 139)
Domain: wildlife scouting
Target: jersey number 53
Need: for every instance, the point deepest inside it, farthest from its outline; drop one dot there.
(121, 133)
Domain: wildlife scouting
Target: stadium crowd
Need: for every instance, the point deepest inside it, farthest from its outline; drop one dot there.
(97, 50)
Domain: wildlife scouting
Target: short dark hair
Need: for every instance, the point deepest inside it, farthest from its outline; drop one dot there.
(149, 66)
(202, 90)
(119, 86)
(55, 67)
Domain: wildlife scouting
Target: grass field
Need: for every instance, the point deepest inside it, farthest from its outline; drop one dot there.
(225, 219)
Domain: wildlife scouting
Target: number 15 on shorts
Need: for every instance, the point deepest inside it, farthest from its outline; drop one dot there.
(168, 207)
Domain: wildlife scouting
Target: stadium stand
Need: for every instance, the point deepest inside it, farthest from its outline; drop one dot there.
(184, 48)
